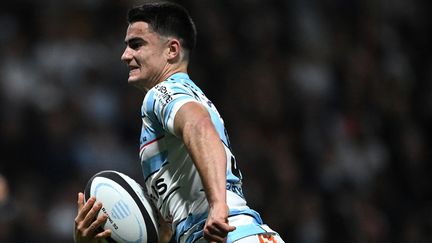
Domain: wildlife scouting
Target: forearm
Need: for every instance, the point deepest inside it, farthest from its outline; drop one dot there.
(208, 154)
(193, 123)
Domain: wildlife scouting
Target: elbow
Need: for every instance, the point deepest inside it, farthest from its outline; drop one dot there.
(200, 129)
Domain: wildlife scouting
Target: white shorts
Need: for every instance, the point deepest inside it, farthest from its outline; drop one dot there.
(269, 237)
(261, 239)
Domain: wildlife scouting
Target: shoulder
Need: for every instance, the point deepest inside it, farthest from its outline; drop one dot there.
(176, 88)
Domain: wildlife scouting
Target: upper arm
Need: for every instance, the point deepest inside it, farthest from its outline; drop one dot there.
(189, 116)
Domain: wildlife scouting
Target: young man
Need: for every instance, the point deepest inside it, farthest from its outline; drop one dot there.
(189, 169)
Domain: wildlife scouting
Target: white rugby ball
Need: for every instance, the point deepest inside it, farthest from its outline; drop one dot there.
(131, 217)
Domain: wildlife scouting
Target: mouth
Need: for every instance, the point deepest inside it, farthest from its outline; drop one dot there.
(133, 69)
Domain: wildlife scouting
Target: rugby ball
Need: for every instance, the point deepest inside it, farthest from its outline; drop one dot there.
(131, 216)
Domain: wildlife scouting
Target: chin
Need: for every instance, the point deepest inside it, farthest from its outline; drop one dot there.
(139, 83)
(133, 80)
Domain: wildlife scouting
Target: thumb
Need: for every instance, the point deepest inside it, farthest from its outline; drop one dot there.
(231, 228)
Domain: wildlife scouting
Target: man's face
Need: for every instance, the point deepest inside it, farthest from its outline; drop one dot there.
(144, 54)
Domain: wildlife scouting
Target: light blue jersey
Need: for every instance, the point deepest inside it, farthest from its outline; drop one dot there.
(171, 178)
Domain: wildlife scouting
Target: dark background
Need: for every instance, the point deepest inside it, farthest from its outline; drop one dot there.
(328, 105)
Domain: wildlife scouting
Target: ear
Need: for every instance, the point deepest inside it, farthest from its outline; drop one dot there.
(174, 48)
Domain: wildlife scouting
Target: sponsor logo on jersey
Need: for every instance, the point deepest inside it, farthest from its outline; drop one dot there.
(163, 94)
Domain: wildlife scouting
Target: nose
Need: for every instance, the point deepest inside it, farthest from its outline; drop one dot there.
(127, 55)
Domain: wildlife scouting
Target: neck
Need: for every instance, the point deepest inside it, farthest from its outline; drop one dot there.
(166, 72)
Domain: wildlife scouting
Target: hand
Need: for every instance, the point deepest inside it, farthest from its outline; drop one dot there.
(165, 232)
(86, 222)
(216, 227)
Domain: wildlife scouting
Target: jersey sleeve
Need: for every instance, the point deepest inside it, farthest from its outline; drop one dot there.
(164, 100)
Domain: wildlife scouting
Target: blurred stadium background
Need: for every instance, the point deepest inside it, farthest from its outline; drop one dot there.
(328, 105)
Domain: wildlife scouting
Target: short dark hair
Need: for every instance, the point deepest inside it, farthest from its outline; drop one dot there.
(166, 19)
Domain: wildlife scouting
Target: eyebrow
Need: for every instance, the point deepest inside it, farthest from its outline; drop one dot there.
(134, 40)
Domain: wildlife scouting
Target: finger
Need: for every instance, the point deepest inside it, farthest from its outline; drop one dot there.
(91, 215)
(212, 237)
(224, 227)
(80, 201)
(96, 224)
(104, 234)
(85, 209)
(231, 228)
(213, 230)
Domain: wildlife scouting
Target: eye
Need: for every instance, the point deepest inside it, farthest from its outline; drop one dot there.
(135, 43)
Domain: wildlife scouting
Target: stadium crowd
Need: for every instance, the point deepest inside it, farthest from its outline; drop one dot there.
(328, 105)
